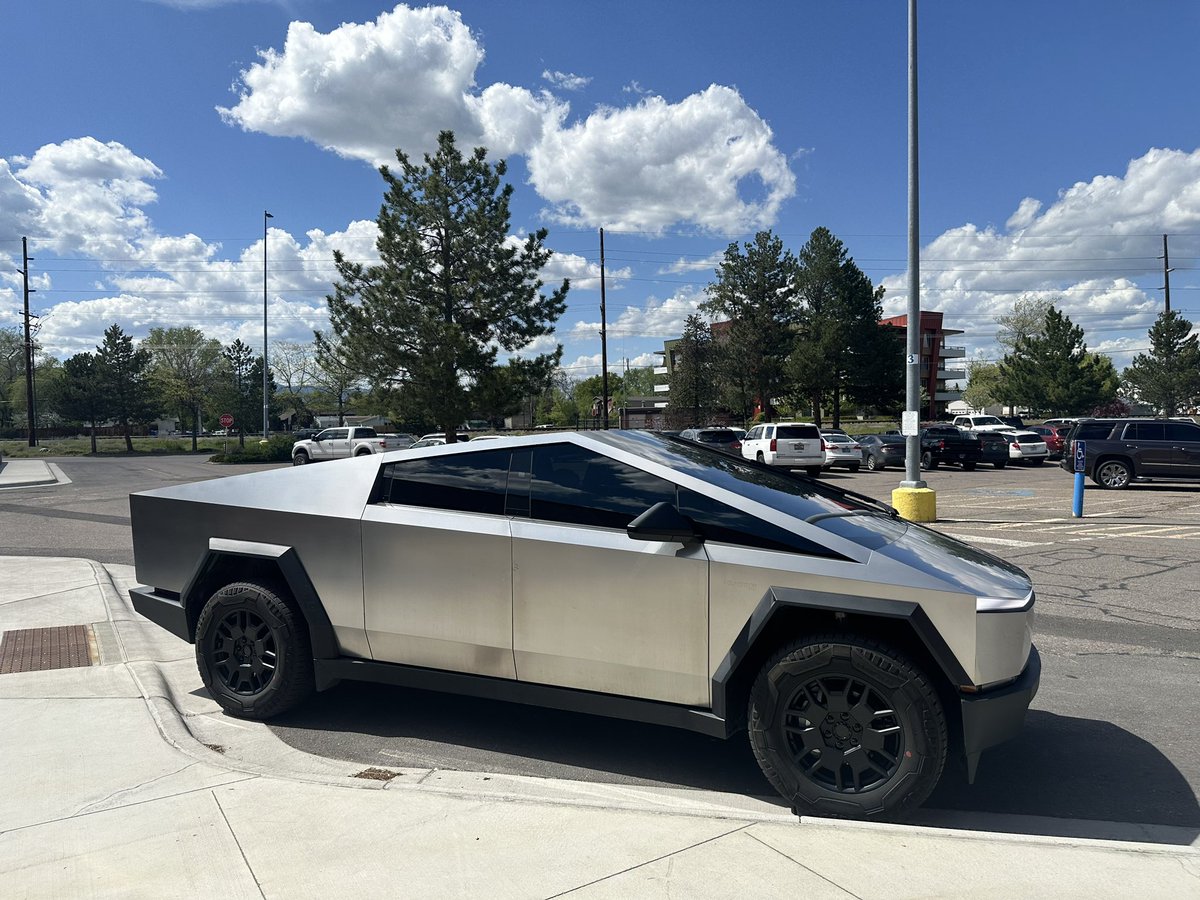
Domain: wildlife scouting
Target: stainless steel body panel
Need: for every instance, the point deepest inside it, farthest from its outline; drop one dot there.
(597, 610)
(438, 589)
(1002, 645)
(314, 509)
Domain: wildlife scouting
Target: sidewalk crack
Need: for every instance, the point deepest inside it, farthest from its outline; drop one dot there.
(233, 834)
(650, 862)
(803, 866)
(94, 806)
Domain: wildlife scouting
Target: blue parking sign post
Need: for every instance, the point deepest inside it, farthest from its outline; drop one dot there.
(1080, 468)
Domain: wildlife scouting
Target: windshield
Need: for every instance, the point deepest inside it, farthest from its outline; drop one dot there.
(857, 518)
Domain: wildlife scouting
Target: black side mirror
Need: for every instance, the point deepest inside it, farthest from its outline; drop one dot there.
(662, 522)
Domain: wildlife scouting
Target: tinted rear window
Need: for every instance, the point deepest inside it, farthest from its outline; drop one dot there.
(797, 432)
(717, 437)
(1091, 431)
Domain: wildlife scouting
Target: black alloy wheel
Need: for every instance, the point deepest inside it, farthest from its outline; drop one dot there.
(845, 726)
(253, 651)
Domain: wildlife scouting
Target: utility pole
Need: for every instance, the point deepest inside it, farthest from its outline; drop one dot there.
(29, 360)
(1167, 270)
(266, 365)
(603, 342)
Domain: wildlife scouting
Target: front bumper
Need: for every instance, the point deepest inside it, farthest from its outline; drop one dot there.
(162, 608)
(993, 717)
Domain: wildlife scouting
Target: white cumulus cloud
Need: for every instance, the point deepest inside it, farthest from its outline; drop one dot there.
(708, 160)
(364, 89)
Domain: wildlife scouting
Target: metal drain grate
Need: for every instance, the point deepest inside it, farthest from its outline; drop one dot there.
(39, 649)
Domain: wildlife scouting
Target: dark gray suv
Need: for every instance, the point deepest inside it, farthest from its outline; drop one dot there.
(1118, 451)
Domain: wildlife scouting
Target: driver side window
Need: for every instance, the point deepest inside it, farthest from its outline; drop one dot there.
(580, 487)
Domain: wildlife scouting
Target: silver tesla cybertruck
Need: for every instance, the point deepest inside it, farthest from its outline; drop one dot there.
(620, 573)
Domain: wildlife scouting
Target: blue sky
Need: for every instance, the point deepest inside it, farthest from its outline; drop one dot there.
(142, 141)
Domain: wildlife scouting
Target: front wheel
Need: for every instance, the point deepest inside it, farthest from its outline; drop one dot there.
(300, 458)
(848, 727)
(253, 651)
(1113, 474)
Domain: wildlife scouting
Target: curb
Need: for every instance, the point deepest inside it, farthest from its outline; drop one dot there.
(215, 739)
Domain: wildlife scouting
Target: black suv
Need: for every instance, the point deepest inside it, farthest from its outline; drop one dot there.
(1117, 451)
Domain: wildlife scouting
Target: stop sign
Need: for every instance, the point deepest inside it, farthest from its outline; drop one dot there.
(226, 420)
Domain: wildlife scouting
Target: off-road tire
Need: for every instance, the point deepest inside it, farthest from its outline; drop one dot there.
(831, 689)
(253, 650)
(300, 458)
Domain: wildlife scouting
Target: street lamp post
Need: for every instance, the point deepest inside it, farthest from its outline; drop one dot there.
(266, 366)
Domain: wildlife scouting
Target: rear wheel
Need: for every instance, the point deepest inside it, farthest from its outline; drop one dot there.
(300, 458)
(759, 456)
(1113, 474)
(873, 464)
(846, 726)
(253, 651)
(927, 461)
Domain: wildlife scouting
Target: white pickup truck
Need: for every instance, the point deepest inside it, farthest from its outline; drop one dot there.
(338, 443)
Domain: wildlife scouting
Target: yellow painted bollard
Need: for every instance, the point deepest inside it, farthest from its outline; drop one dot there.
(915, 504)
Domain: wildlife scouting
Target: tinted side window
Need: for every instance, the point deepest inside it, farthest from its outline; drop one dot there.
(574, 485)
(718, 522)
(1145, 431)
(1091, 431)
(465, 482)
(1182, 431)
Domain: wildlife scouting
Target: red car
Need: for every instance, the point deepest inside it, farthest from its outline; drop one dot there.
(1054, 436)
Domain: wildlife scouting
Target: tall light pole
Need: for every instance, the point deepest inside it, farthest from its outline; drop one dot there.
(266, 365)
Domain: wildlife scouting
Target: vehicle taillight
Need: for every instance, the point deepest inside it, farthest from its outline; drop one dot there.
(824, 444)
(941, 445)
(383, 444)
(774, 444)
(736, 445)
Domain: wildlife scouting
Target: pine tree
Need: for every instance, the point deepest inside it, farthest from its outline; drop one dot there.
(756, 290)
(1168, 378)
(1053, 372)
(452, 288)
(693, 381)
(124, 373)
(78, 394)
(840, 351)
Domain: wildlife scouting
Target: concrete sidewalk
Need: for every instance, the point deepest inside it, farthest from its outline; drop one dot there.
(28, 472)
(123, 778)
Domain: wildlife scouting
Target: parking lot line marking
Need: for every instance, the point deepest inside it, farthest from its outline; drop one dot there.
(1004, 542)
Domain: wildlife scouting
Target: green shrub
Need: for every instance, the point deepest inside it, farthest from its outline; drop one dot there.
(277, 449)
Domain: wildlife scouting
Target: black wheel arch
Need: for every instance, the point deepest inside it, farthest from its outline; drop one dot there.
(229, 561)
(783, 614)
